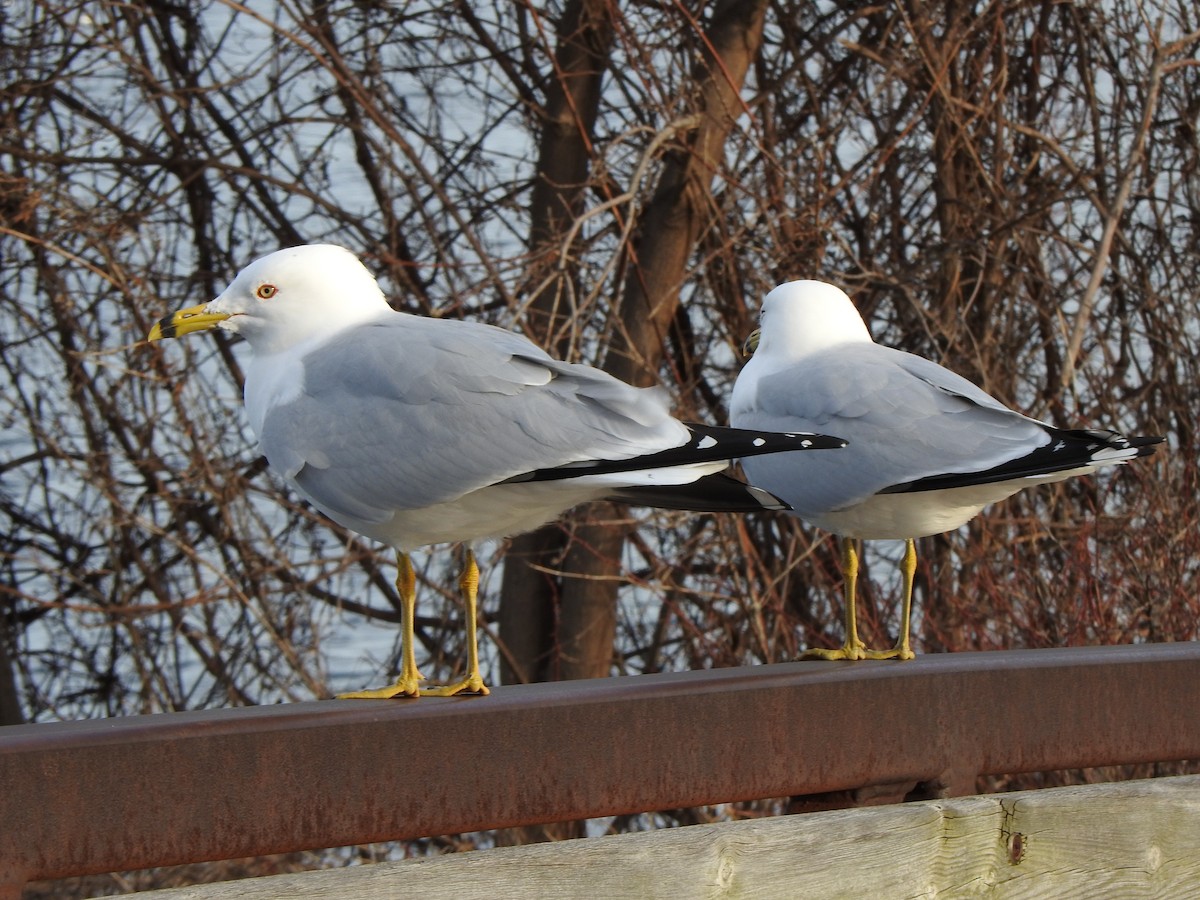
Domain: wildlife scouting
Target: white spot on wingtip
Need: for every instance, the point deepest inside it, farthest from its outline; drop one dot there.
(706, 442)
(758, 442)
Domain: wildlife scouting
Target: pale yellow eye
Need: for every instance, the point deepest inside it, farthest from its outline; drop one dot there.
(266, 291)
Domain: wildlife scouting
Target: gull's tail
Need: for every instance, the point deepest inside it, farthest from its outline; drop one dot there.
(712, 493)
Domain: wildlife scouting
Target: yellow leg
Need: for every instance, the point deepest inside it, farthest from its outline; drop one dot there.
(409, 682)
(903, 650)
(468, 583)
(853, 648)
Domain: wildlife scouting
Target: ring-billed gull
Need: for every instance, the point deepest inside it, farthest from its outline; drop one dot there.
(927, 449)
(416, 431)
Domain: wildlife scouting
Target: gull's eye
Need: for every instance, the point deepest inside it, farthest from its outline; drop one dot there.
(266, 291)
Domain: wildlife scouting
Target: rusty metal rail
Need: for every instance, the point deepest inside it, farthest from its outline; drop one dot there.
(105, 795)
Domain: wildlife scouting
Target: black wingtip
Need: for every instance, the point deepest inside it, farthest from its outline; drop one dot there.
(709, 443)
(738, 443)
(1068, 449)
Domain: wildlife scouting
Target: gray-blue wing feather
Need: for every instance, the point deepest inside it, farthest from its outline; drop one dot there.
(413, 412)
(905, 418)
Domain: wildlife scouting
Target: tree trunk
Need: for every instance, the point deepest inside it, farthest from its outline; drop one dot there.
(671, 225)
(670, 229)
(528, 594)
(10, 702)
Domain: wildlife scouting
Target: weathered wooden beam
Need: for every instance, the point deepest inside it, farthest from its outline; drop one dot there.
(104, 795)
(1133, 839)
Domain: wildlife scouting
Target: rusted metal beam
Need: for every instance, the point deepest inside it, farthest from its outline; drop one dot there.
(104, 795)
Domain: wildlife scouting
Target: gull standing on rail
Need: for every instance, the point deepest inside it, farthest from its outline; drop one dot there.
(927, 449)
(416, 431)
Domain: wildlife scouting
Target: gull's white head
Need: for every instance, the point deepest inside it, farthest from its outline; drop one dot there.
(802, 317)
(285, 298)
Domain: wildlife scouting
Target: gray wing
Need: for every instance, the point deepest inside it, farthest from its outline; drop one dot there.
(410, 412)
(905, 418)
